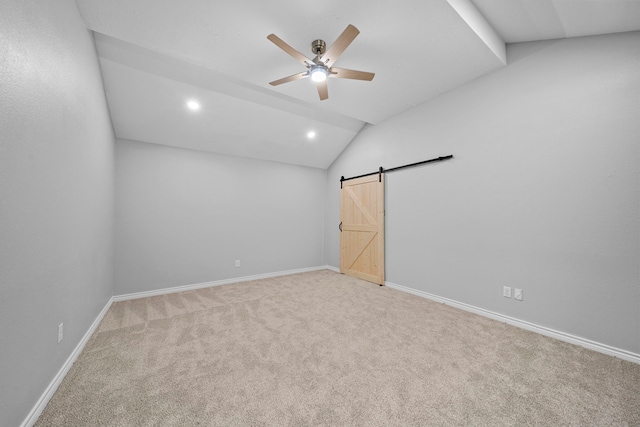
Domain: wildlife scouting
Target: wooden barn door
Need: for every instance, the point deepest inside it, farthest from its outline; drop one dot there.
(362, 237)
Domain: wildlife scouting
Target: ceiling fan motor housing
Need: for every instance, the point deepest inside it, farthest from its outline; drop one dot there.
(318, 47)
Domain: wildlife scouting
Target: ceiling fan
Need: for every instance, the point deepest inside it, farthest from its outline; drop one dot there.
(321, 67)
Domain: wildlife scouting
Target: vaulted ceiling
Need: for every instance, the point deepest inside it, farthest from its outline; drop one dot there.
(156, 55)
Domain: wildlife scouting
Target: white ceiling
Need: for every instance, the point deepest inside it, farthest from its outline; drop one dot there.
(157, 54)
(528, 20)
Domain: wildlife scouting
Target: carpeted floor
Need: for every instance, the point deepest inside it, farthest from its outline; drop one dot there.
(321, 348)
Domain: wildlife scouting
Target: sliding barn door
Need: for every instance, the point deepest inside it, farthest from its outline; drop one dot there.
(362, 237)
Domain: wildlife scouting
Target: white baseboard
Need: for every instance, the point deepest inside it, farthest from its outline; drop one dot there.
(332, 268)
(55, 383)
(164, 291)
(562, 336)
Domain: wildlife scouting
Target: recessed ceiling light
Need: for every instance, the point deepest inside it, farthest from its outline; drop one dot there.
(193, 105)
(311, 134)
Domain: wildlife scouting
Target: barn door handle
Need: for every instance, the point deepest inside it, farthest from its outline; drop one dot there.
(340, 226)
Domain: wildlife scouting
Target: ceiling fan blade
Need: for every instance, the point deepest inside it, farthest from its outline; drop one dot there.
(291, 51)
(323, 91)
(344, 73)
(339, 46)
(298, 76)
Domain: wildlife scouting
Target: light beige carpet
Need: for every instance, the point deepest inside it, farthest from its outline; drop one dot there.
(321, 348)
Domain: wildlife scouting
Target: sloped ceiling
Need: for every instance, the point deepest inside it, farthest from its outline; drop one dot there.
(528, 20)
(158, 54)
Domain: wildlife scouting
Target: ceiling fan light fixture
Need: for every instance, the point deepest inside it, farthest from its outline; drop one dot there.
(318, 74)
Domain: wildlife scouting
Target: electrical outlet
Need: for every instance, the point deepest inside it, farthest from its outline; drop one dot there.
(506, 291)
(60, 332)
(517, 294)
(237, 263)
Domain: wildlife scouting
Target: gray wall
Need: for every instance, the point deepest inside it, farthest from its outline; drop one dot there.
(183, 217)
(56, 195)
(543, 192)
